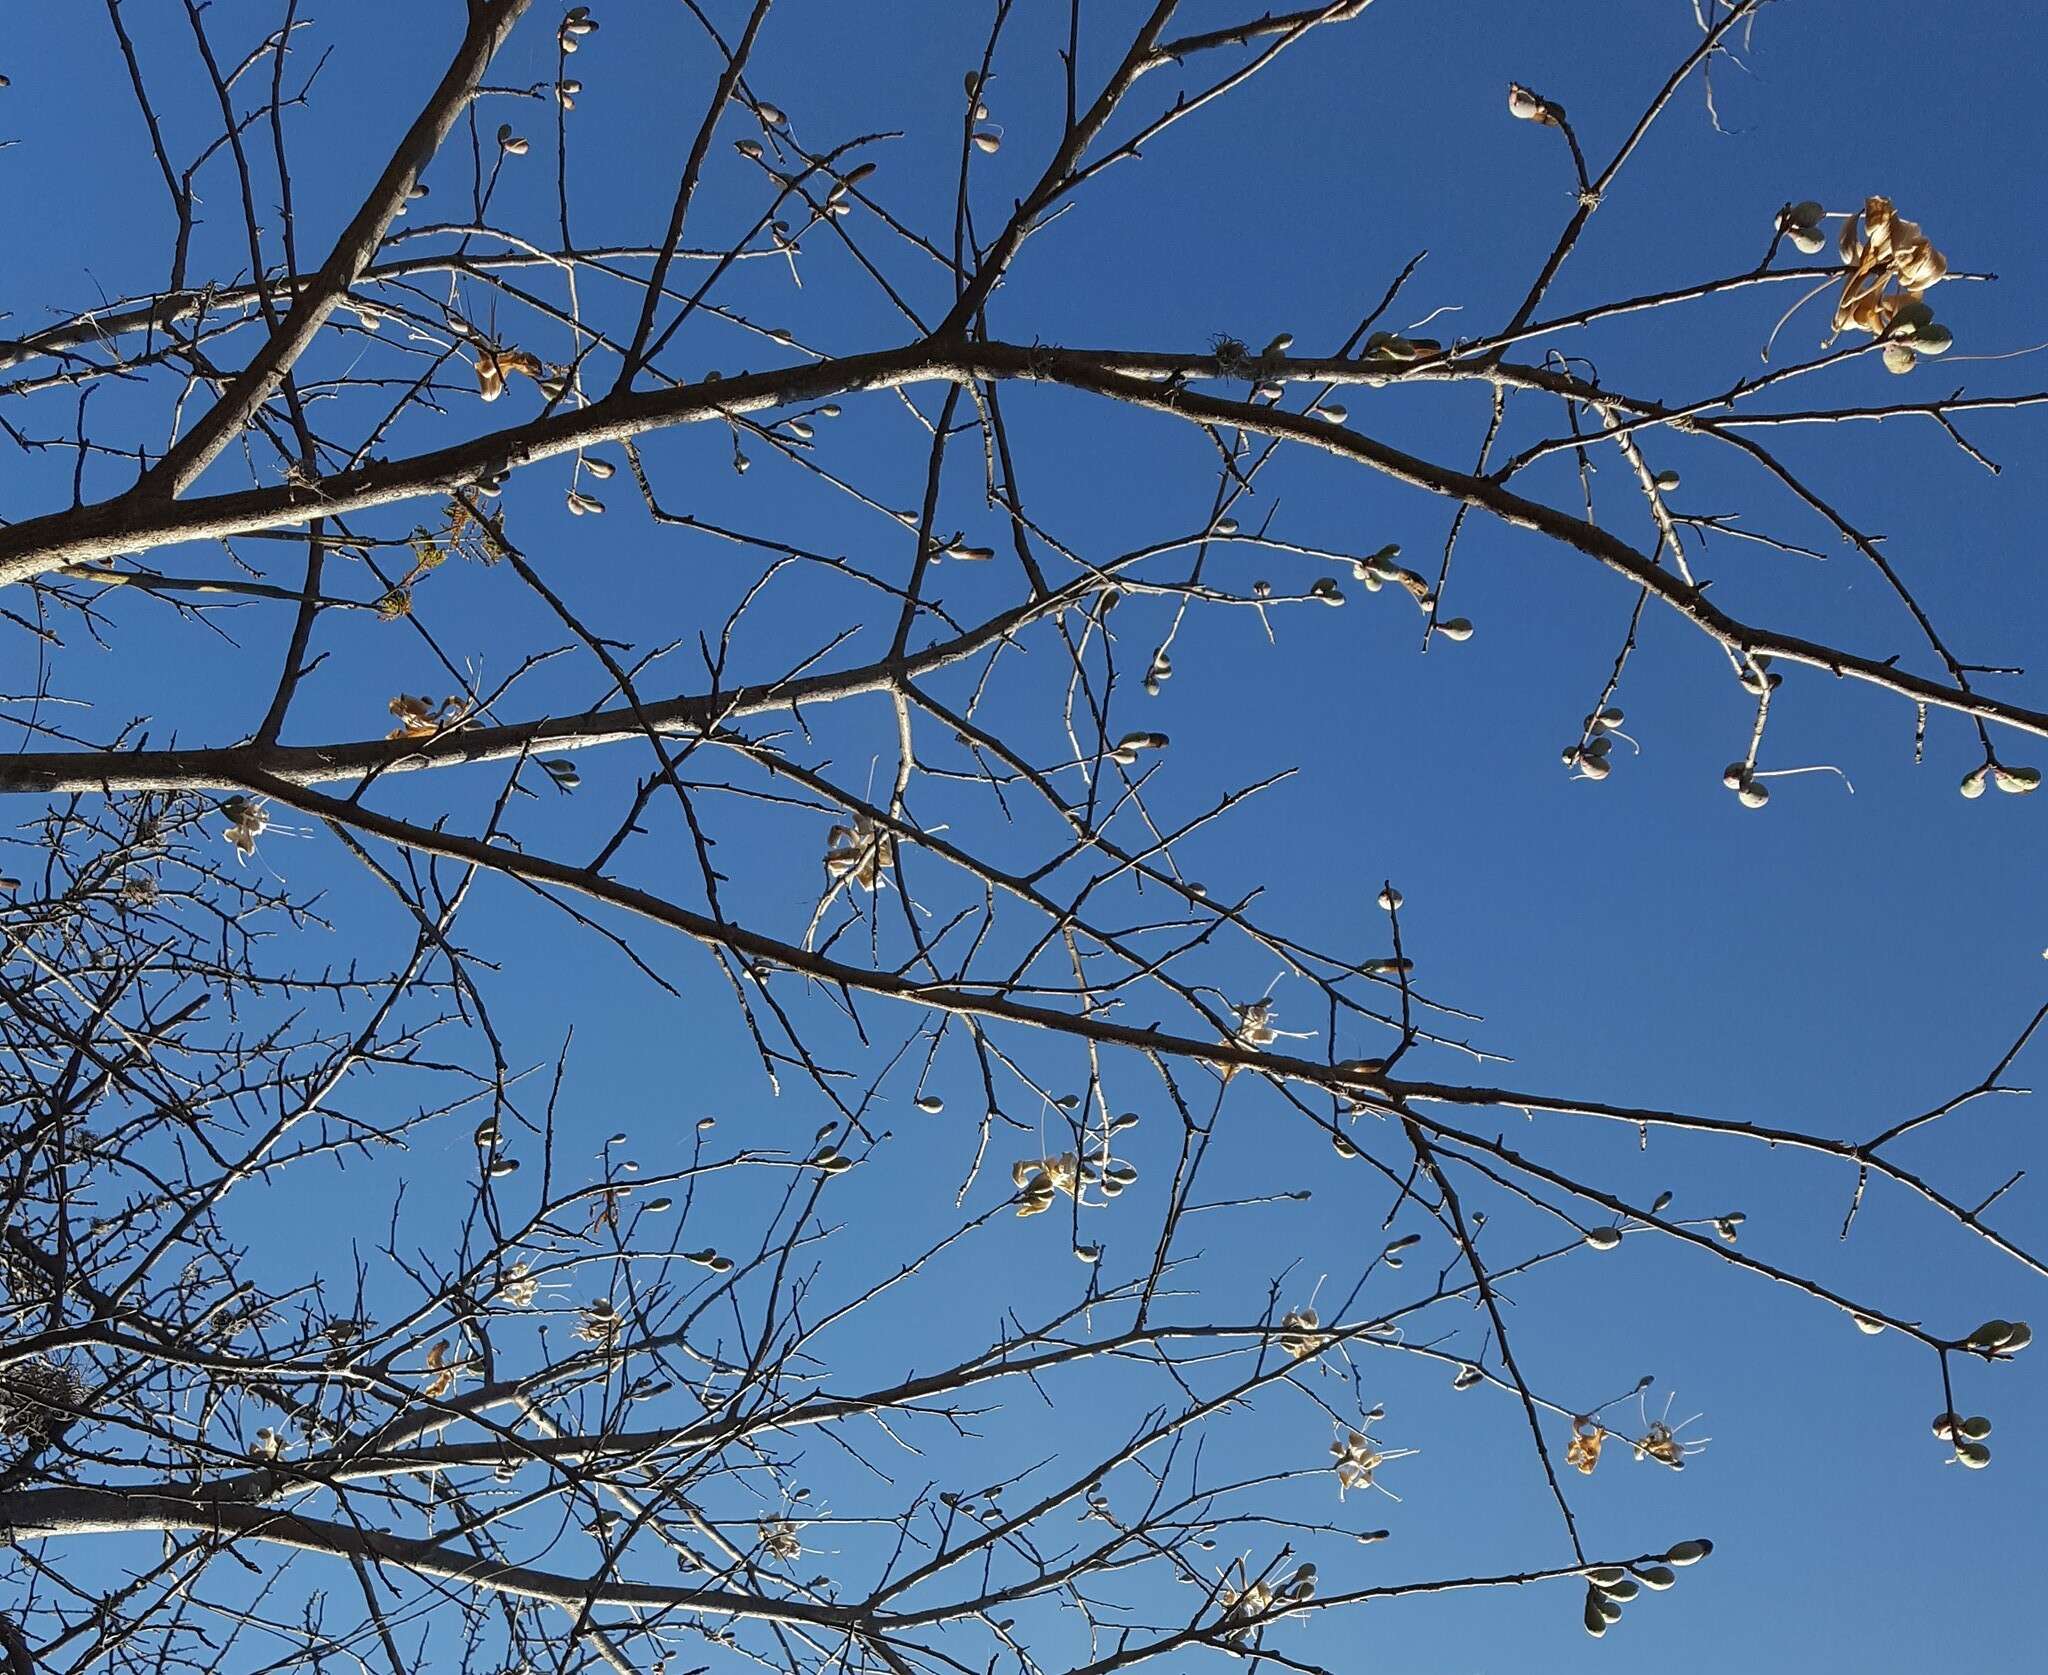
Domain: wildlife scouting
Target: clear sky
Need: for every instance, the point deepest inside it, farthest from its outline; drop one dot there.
(1835, 961)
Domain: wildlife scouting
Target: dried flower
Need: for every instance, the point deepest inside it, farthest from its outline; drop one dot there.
(494, 366)
(422, 718)
(1891, 264)
(1301, 1335)
(601, 1322)
(444, 1372)
(1041, 1179)
(780, 1539)
(247, 821)
(1582, 1453)
(861, 852)
(1358, 1457)
(518, 1288)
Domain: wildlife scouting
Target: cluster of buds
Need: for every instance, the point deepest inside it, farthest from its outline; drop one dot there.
(1378, 570)
(576, 24)
(1592, 757)
(1611, 1586)
(1125, 752)
(1800, 223)
(860, 853)
(2015, 781)
(511, 144)
(989, 140)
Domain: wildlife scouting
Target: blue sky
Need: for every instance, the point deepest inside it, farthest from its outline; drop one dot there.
(1835, 961)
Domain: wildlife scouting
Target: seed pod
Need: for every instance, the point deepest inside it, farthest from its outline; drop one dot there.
(1603, 1238)
(1805, 213)
(988, 142)
(600, 468)
(770, 114)
(1898, 358)
(1689, 1552)
(1808, 242)
(1868, 1327)
(1973, 1455)
(1945, 1426)
(1976, 1428)
(1326, 590)
(658, 1206)
(1974, 782)
(1466, 1378)
(2019, 781)
(486, 1132)
(1665, 481)
(1390, 899)
(503, 1167)
(747, 148)
(1595, 767)
(1658, 1577)
(1754, 795)
(1456, 628)
(930, 1104)
(1334, 412)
